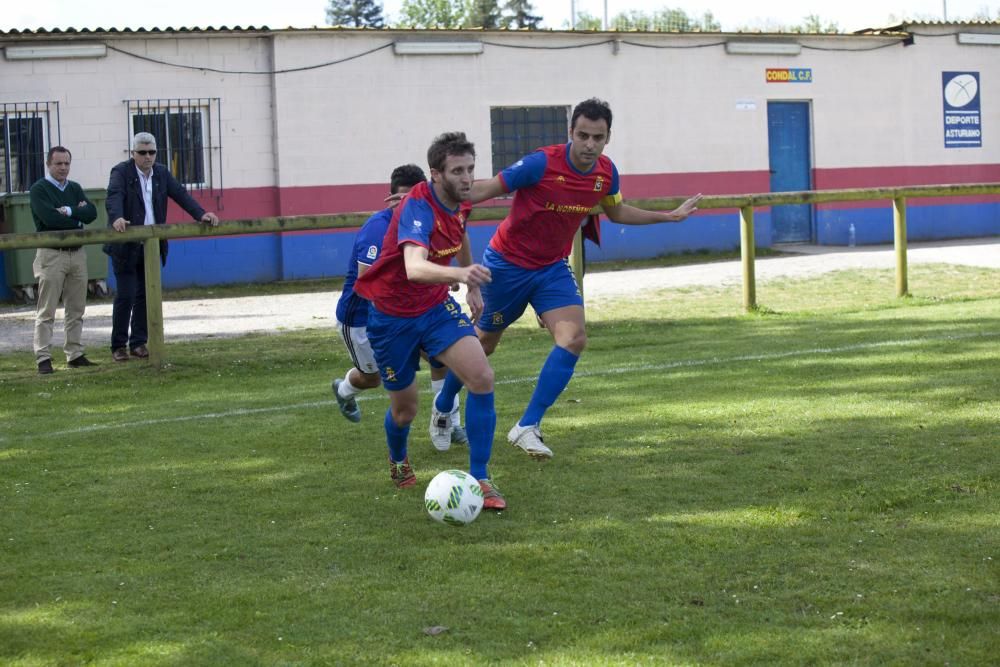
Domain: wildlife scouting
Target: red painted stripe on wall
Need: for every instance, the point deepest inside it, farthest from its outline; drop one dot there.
(647, 186)
(880, 177)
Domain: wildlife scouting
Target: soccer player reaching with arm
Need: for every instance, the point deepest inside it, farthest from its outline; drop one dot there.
(554, 189)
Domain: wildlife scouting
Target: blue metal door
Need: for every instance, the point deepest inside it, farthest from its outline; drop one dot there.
(788, 150)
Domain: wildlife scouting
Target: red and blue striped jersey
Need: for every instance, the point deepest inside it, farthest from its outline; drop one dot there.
(551, 199)
(421, 219)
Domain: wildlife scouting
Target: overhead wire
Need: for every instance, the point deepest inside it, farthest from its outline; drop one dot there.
(897, 39)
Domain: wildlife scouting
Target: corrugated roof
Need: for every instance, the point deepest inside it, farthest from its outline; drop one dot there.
(907, 26)
(167, 30)
(128, 31)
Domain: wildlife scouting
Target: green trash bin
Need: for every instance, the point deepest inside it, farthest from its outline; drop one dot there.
(15, 218)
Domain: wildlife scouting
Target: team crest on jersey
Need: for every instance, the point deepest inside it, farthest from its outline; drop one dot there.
(372, 252)
(417, 224)
(390, 374)
(599, 184)
(497, 319)
(560, 179)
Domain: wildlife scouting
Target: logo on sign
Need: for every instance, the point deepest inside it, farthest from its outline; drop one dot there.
(962, 110)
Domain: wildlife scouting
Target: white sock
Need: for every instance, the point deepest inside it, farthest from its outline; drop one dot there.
(346, 389)
(437, 386)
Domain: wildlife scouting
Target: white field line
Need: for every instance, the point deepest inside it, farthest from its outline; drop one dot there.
(618, 370)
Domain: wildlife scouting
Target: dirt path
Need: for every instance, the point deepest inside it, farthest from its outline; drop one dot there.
(193, 319)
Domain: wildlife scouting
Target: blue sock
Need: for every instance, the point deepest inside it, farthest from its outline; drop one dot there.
(395, 437)
(555, 375)
(446, 399)
(480, 424)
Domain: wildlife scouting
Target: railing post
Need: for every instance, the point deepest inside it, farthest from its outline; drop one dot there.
(899, 239)
(154, 301)
(576, 260)
(747, 252)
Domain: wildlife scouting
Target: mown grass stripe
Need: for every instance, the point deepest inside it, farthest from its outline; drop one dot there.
(631, 368)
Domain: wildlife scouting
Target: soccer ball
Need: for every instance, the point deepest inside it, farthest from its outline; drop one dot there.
(454, 497)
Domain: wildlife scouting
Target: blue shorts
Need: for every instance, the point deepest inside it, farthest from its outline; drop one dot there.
(397, 341)
(514, 287)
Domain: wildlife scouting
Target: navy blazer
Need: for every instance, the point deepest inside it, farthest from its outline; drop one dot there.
(125, 201)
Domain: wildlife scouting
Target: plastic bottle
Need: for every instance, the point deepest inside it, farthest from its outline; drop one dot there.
(852, 239)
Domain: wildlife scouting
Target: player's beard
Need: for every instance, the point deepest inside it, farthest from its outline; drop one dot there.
(454, 191)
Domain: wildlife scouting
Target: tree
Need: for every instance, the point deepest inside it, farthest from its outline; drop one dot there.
(709, 24)
(814, 24)
(519, 15)
(586, 21)
(484, 14)
(810, 24)
(355, 13)
(664, 20)
(433, 13)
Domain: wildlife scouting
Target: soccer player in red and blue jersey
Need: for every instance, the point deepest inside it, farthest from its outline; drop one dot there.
(352, 312)
(412, 310)
(554, 189)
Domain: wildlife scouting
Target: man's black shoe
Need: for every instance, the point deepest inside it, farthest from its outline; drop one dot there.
(45, 367)
(80, 362)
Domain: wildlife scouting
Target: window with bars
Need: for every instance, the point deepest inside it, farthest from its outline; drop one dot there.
(27, 130)
(517, 131)
(187, 135)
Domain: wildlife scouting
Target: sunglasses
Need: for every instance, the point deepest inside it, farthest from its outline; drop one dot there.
(152, 152)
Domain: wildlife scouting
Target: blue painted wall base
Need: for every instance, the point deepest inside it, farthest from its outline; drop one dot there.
(264, 258)
(923, 223)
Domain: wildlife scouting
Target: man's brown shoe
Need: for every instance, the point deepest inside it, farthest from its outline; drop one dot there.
(119, 354)
(140, 351)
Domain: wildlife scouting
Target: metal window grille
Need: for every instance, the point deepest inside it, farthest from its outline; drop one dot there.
(26, 133)
(188, 138)
(516, 131)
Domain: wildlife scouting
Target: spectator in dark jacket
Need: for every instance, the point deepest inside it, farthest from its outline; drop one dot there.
(137, 195)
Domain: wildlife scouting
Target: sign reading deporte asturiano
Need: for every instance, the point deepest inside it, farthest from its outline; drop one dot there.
(963, 126)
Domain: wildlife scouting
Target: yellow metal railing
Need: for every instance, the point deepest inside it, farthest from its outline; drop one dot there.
(150, 235)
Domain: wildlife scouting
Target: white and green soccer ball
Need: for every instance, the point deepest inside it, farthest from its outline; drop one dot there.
(454, 497)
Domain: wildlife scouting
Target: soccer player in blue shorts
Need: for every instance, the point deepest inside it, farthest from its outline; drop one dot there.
(412, 310)
(352, 313)
(554, 189)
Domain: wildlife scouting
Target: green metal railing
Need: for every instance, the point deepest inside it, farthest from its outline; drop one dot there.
(150, 235)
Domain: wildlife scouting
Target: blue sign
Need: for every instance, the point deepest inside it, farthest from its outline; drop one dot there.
(963, 126)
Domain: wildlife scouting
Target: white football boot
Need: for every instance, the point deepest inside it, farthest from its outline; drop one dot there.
(529, 438)
(441, 428)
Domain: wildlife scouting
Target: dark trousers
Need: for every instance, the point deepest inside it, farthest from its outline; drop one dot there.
(130, 302)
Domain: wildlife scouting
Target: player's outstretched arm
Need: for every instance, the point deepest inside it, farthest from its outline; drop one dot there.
(481, 191)
(630, 215)
(488, 189)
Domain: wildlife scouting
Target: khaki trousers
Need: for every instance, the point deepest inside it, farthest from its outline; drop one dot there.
(60, 273)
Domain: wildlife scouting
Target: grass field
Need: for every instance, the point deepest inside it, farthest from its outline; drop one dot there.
(815, 483)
